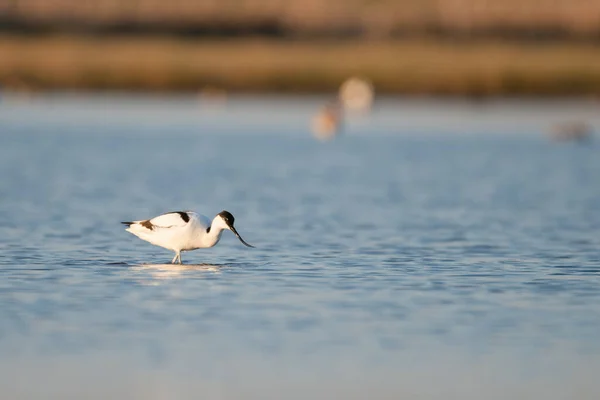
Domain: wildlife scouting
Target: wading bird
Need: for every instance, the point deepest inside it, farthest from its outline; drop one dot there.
(183, 231)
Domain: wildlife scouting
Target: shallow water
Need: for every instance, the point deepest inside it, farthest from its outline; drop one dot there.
(436, 250)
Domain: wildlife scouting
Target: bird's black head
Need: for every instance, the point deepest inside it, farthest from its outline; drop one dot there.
(229, 220)
(227, 217)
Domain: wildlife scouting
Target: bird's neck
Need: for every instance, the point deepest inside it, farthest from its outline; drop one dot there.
(213, 236)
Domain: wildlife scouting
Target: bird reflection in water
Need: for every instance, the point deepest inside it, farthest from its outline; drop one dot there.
(161, 272)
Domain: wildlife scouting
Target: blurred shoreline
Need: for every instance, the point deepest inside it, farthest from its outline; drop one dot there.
(212, 66)
(517, 19)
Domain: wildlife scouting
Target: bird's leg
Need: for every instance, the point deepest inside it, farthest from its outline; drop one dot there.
(174, 258)
(179, 256)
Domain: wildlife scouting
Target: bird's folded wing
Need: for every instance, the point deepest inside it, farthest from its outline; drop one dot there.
(170, 220)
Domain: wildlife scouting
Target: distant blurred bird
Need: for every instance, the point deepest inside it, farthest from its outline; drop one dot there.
(326, 124)
(357, 95)
(354, 96)
(183, 231)
(212, 96)
(571, 131)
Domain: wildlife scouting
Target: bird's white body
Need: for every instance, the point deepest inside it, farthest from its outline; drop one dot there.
(172, 232)
(183, 230)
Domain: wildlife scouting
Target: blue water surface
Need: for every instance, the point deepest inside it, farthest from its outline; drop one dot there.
(434, 250)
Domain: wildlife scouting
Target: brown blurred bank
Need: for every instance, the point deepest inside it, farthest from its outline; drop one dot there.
(456, 47)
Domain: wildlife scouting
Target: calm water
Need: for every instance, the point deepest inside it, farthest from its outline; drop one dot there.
(438, 250)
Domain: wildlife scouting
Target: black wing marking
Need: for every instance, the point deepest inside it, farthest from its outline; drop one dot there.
(184, 216)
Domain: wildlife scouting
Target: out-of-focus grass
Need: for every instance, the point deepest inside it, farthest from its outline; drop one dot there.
(417, 66)
(380, 18)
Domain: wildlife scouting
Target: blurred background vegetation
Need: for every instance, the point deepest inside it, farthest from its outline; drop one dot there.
(437, 47)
